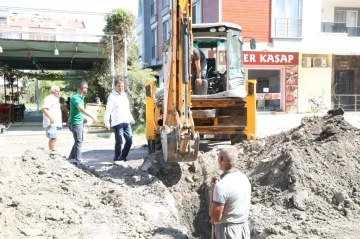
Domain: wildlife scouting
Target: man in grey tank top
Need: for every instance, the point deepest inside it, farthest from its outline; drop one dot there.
(230, 200)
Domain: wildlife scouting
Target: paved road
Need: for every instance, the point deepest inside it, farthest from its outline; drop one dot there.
(100, 150)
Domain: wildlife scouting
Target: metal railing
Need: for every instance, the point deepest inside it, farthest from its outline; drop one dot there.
(153, 9)
(38, 37)
(349, 102)
(49, 36)
(288, 27)
(154, 52)
(340, 27)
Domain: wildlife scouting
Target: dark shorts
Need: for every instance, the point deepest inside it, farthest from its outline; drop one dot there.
(232, 231)
(51, 132)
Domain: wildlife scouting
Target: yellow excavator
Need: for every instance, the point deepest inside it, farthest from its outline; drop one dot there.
(223, 107)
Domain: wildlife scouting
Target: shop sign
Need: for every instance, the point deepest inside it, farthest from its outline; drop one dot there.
(271, 58)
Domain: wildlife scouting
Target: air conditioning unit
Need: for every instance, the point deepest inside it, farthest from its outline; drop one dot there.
(306, 62)
(319, 62)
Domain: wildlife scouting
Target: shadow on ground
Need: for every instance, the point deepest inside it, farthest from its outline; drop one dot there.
(174, 233)
(208, 145)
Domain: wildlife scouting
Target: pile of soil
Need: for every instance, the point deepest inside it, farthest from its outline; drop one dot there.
(305, 182)
(42, 195)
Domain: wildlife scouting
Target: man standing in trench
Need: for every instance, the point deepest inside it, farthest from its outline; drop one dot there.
(52, 115)
(118, 108)
(76, 119)
(230, 198)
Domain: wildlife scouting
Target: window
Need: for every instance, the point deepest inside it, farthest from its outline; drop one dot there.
(235, 53)
(166, 31)
(165, 3)
(139, 18)
(347, 20)
(140, 8)
(3, 21)
(196, 11)
(10, 36)
(153, 8)
(288, 18)
(154, 43)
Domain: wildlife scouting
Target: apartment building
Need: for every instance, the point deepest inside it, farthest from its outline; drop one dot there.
(39, 27)
(305, 48)
(322, 38)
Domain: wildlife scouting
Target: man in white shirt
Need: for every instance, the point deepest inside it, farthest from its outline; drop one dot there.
(230, 198)
(52, 115)
(118, 108)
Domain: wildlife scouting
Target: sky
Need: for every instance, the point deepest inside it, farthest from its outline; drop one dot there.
(93, 23)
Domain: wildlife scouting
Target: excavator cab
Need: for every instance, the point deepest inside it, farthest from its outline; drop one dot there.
(226, 107)
(221, 44)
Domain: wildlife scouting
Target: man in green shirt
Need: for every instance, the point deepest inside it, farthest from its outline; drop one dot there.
(76, 119)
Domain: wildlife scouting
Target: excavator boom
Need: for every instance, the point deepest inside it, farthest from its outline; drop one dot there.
(179, 140)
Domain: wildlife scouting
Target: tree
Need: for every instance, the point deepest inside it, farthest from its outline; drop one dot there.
(121, 24)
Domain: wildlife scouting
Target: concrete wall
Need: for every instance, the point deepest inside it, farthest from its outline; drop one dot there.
(312, 81)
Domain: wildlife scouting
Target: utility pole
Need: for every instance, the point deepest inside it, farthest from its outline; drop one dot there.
(125, 56)
(112, 62)
(37, 97)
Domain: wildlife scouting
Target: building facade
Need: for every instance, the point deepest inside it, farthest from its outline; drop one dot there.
(40, 27)
(305, 48)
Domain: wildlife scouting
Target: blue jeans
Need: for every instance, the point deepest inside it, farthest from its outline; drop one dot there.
(77, 131)
(122, 130)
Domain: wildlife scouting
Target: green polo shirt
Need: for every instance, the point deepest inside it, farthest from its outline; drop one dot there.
(76, 117)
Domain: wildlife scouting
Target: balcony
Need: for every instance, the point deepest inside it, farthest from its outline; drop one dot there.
(288, 27)
(340, 27)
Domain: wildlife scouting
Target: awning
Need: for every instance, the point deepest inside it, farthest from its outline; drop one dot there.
(72, 55)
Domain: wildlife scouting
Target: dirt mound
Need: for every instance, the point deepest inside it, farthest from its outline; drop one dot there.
(305, 182)
(42, 195)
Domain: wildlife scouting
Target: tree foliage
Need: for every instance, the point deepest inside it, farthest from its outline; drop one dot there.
(122, 24)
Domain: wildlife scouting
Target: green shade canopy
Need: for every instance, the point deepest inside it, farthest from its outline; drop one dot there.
(72, 55)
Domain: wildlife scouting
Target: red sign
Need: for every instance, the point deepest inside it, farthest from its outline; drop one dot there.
(271, 58)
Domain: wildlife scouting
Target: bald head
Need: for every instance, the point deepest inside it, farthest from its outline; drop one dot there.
(229, 154)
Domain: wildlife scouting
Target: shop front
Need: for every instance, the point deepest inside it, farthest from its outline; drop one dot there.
(346, 82)
(277, 79)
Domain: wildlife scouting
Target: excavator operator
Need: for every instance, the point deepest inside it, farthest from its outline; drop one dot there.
(198, 66)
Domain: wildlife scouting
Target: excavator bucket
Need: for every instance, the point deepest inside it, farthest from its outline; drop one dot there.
(179, 147)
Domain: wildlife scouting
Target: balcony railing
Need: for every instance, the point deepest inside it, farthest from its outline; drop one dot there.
(154, 52)
(340, 27)
(49, 36)
(288, 27)
(153, 9)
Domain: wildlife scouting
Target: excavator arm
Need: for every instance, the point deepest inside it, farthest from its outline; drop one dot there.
(180, 142)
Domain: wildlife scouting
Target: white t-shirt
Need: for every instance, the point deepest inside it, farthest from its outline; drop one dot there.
(118, 109)
(52, 103)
